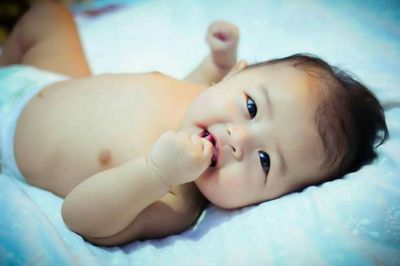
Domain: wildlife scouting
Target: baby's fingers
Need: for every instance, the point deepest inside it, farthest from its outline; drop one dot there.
(203, 146)
(207, 149)
(222, 33)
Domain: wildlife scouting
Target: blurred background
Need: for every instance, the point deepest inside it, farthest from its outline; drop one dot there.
(362, 36)
(12, 10)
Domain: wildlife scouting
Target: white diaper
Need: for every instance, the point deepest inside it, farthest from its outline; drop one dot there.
(18, 84)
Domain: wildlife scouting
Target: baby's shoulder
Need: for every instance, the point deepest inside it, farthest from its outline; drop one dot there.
(156, 73)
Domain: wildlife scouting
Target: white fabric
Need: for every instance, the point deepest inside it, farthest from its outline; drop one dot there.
(18, 84)
(352, 221)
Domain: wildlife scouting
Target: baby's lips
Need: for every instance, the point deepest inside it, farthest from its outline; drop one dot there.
(213, 162)
(206, 135)
(214, 156)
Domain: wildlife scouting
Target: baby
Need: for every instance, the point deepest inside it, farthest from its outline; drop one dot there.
(140, 155)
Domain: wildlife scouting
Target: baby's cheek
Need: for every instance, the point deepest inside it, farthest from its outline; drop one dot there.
(235, 176)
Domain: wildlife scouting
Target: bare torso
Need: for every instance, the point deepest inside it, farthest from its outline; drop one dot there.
(74, 129)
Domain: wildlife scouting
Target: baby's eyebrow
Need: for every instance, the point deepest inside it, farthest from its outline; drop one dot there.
(265, 93)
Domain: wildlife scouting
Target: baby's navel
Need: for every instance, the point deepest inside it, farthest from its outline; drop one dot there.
(105, 157)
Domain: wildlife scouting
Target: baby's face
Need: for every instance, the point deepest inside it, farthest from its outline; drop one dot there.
(267, 143)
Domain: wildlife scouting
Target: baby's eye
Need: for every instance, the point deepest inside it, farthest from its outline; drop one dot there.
(264, 159)
(251, 107)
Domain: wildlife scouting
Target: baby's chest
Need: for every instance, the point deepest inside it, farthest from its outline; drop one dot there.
(91, 126)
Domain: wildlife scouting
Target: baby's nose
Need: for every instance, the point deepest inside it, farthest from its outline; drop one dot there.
(239, 138)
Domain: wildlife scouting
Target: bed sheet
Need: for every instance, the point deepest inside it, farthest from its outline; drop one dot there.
(352, 221)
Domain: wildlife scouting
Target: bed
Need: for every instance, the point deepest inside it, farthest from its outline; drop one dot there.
(351, 221)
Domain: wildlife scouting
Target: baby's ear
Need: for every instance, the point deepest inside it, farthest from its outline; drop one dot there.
(242, 64)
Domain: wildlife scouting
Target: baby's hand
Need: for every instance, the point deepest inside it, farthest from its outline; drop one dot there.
(223, 37)
(179, 158)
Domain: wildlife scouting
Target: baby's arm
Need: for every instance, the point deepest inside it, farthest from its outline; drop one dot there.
(123, 203)
(222, 37)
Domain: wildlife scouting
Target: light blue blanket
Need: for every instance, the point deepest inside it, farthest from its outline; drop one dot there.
(352, 221)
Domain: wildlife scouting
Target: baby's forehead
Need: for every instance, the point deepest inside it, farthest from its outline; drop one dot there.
(289, 70)
(298, 92)
(308, 72)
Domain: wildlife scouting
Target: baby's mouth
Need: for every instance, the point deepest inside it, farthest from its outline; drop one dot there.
(207, 135)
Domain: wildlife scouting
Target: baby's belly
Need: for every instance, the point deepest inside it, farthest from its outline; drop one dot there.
(73, 130)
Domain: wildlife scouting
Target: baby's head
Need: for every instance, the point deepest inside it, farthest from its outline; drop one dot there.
(282, 125)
